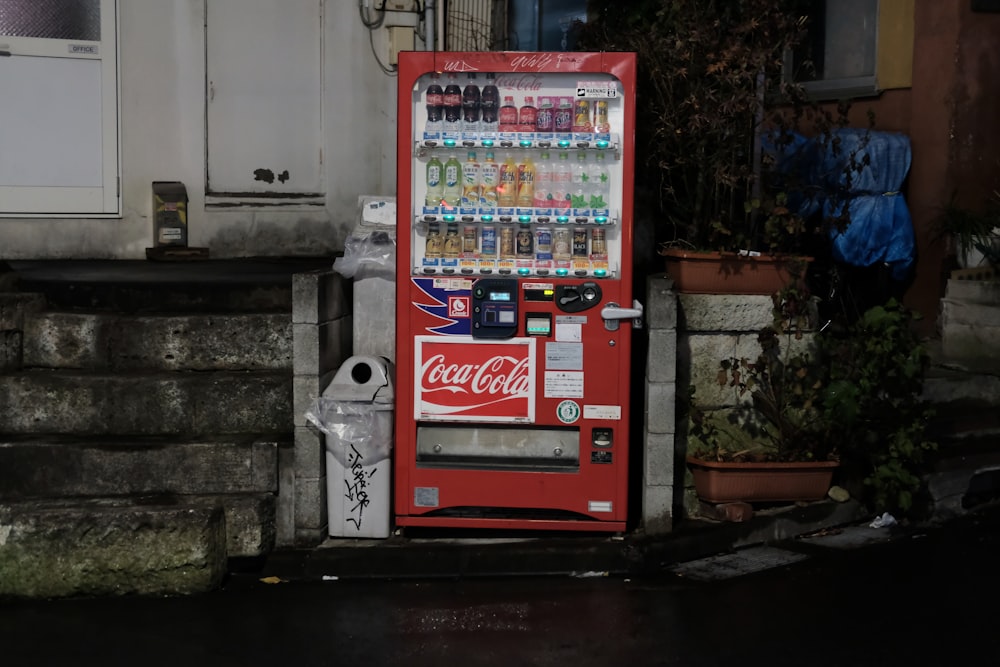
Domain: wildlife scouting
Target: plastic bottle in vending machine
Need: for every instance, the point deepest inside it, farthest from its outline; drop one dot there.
(508, 115)
(471, 182)
(527, 115)
(452, 182)
(435, 182)
(543, 181)
(526, 182)
(580, 193)
(471, 101)
(564, 115)
(489, 103)
(435, 104)
(507, 190)
(452, 104)
(545, 121)
(562, 182)
(490, 177)
(600, 184)
(452, 242)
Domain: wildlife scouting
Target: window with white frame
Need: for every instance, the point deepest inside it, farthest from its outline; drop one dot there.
(59, 145)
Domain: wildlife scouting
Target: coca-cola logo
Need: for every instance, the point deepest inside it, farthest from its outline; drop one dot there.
(461, 381)
(528, 82)
(498, 375)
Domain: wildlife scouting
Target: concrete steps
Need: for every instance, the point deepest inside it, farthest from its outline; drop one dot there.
(98, 547)
(148, 403)
(144, 408)
(115, 342)
(238, 475)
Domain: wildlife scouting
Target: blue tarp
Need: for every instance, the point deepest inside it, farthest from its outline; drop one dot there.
(860, 171)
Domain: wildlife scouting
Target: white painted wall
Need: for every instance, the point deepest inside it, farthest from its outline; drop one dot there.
(162, 73)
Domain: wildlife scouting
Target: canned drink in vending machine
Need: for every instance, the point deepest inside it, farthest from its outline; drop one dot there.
(488, 249)
(580, 243)
(525, 243)
(581, 116)
(601, 123)
(470, 241)
(598, 244)
(562, 243)
(507, 242)
(543, 243)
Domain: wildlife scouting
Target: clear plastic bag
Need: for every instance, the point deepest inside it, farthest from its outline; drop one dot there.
(356, 432)
(367, 255)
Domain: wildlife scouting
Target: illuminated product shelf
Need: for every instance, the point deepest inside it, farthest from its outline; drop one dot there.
(518, 268)
(524, 140)
(518, 219)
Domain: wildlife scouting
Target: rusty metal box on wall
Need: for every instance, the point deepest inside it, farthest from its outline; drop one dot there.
(170, 226)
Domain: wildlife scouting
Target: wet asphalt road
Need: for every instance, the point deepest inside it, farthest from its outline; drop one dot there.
(928, 599)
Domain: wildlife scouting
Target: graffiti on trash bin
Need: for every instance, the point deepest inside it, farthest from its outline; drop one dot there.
(356, 487)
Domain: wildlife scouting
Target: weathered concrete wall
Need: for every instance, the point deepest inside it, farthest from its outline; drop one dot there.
(322, 327)
(970, 324)
(162, 73)
(103, 548)
(171, 343)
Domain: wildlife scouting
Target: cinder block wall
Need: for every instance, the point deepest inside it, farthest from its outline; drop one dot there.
(713, 327)
(321, 341)
(658, 470)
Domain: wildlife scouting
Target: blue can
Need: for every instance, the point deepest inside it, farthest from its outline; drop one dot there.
(488, 244)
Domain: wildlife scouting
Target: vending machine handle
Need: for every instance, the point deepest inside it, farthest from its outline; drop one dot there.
(612, 313)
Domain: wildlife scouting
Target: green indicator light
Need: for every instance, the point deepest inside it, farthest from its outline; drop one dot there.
(564, 144)
(524, 218)
(449, 218)
(600, 273)
(450, 143)
(562, 272)
(562, 218)
(487, 142)
(600, 220)
(524, 272)
(525, 143)
(487, 218)
(602, 144)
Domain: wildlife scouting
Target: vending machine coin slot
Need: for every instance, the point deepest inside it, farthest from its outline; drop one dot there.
(602, 437)
(494, 308)
(575, 298)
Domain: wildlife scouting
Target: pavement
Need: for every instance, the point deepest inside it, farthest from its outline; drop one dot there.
(454, 555)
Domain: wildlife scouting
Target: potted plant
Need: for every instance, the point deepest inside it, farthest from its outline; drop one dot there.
(780, 446)
(710, 78)
(851, 402)
(975, 233)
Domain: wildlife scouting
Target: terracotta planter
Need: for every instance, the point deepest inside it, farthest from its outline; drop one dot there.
(728, 273)
(718, 482)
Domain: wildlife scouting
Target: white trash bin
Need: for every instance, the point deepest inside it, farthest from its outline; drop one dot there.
(356, 414)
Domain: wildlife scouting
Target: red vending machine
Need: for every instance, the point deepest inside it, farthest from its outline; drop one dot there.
(514, 289)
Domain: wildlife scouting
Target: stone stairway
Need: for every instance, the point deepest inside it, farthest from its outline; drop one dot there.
(964, 387)
(142, 411)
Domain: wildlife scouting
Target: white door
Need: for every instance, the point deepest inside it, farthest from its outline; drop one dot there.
(263, 98)
(59, 108)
